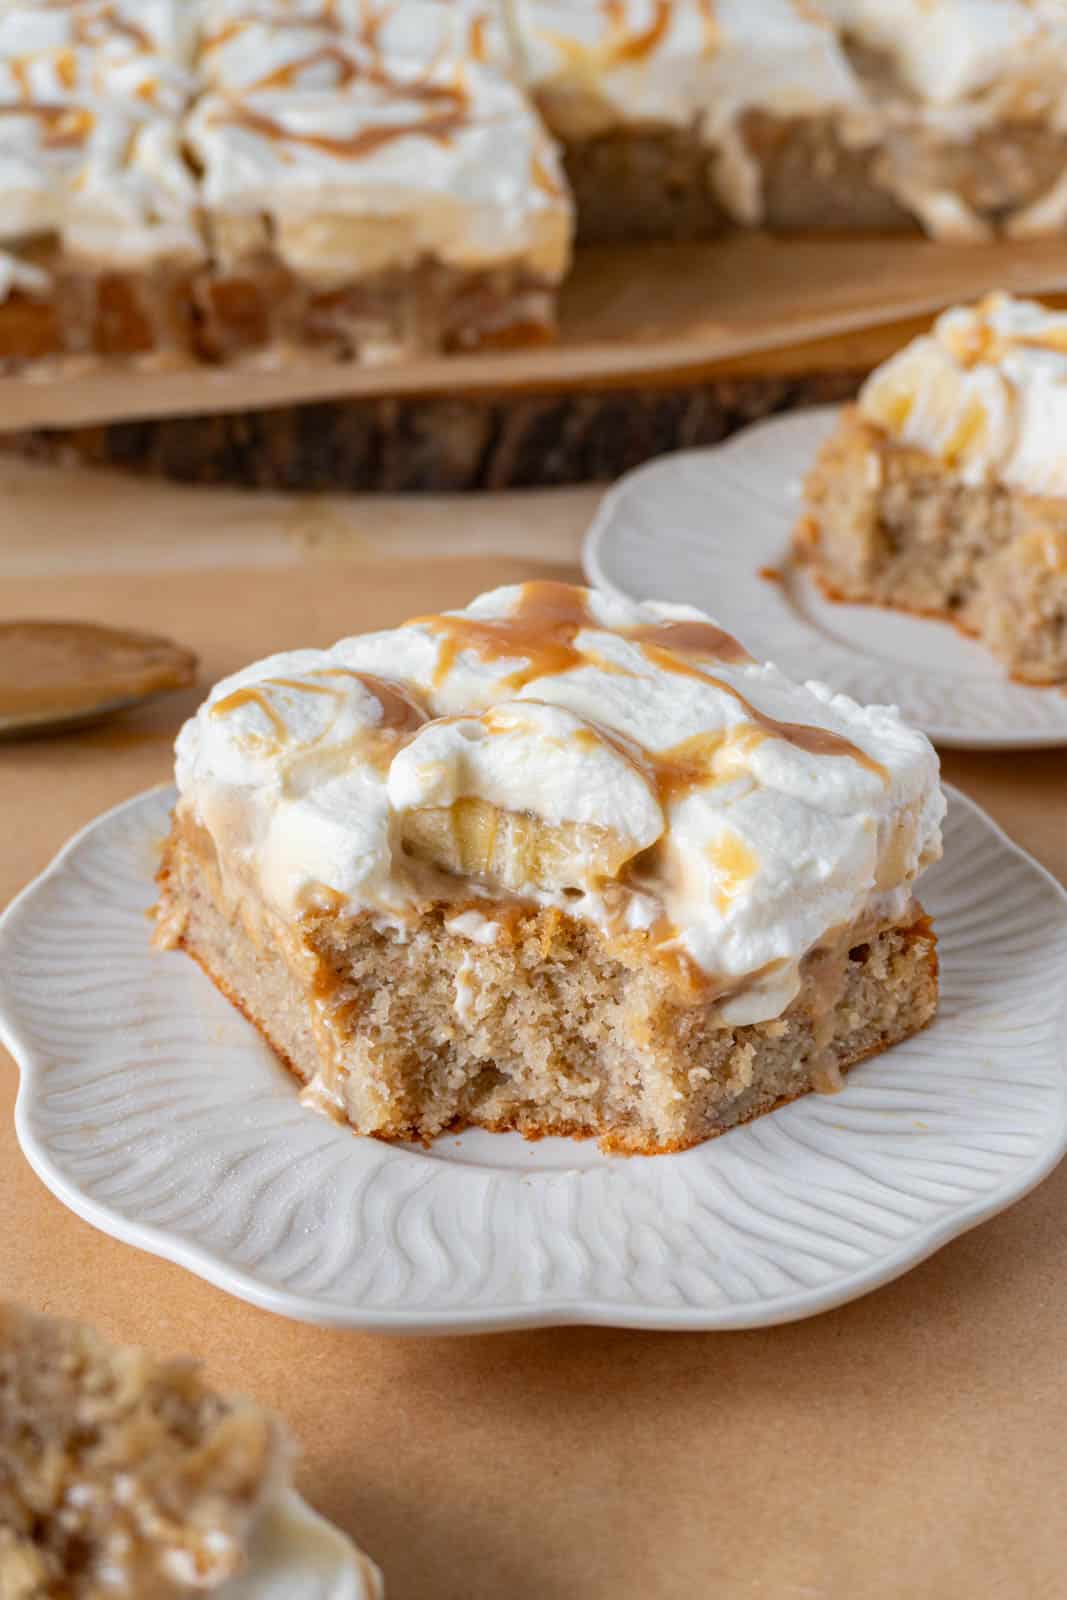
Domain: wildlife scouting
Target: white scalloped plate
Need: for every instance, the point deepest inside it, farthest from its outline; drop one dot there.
(152, 1109)
(699, 526)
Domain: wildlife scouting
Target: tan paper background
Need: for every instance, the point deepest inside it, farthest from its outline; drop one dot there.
(913, 1444)
(629, 314)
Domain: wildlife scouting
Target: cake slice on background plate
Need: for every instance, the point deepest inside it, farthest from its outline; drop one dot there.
(944, 490)
(559, 863)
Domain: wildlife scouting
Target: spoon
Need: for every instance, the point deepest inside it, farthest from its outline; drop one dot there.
(63, 675)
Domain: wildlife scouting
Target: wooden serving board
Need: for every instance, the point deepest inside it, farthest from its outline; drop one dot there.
(660, 347)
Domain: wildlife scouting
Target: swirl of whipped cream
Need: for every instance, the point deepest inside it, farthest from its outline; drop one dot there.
(757, 814)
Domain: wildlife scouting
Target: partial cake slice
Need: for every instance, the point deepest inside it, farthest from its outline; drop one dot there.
(128, 1477)
(684, 118)
(375, 185)
(557, 862)
(944, 491)
(99, 234)
(968, 102)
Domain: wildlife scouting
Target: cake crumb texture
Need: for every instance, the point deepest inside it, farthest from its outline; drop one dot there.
(121, 1477)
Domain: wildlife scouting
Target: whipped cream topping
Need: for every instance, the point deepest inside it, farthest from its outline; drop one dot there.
(948, 52)
(127, 50)
(985, 392)
(757, 815)
(911, 81)
(445, 160)
(110, 182)
(528, 756)
(369, 134)
(251, 46)
(682, 62)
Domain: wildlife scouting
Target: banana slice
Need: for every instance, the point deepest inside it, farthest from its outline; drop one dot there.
(526, 795)
(516, 851)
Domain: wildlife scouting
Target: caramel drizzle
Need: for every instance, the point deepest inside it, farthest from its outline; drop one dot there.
(401, 712)
(439, 126)
(478, 43)
(801, 735)
(543, 632)
(138, 37)
(285, 76)
(351, 67)
(668, 773)
(712, 32)
(622, 46)
(253, 695)
(325, 22)
(64, 127)
(20, 72)
(636, 46)
(544, 627)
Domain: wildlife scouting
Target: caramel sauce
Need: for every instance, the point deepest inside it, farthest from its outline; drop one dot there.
(815, 741)
(621, 47)
(802, 735)
(138, 37)
(320, 898)
(684, 767)
(662, 642)
(638, 46)
(736, 864)
(543, 630)
(285, 76)
(253, 696)
(479, 41)
(401, 712)
(326, 20)
(65, 127)
(440, 127)
(712, 34)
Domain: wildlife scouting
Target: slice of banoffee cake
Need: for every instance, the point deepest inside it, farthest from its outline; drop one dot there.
(559, 863)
